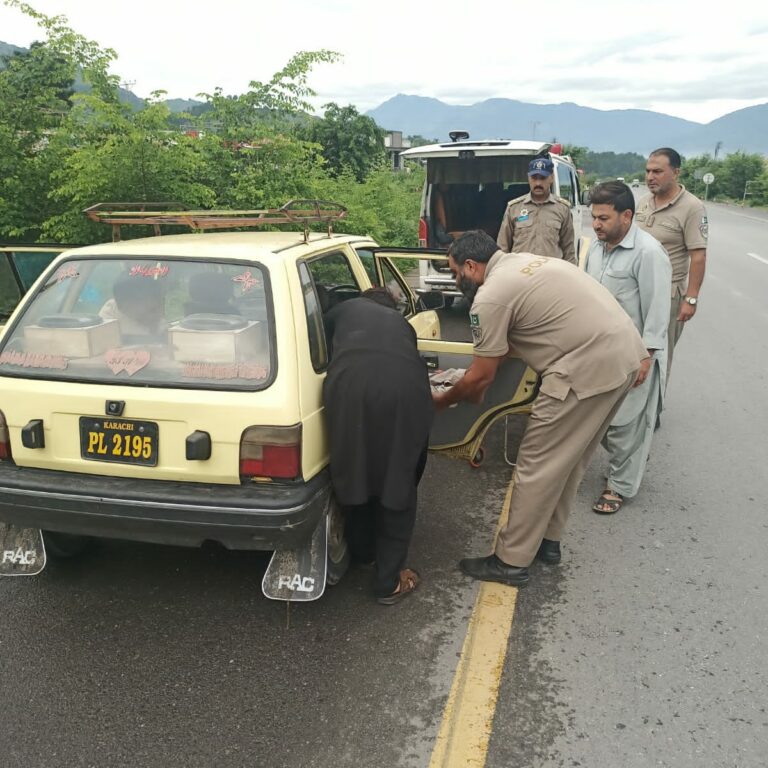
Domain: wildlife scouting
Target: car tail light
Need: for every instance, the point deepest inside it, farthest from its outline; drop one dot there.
(5, 439)
(422, 233)
(273, 452)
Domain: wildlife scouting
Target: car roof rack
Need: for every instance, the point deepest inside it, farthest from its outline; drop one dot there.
(304, 212)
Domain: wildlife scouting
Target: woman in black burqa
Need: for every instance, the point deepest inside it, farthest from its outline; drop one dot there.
(379, 411)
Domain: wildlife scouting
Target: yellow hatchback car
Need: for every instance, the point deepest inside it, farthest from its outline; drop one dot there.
(169, 389)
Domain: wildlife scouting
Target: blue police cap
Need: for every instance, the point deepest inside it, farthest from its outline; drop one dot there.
(541, 166)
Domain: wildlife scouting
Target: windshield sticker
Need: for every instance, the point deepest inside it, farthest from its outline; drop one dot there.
(225, 371)
(65, 273)
(143, 270)
(129, 360)
(249, 281)
(33, 360)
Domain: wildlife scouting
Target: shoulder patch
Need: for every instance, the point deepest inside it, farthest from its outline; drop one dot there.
(704, 226)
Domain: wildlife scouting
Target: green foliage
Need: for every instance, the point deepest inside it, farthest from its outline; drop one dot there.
(108, 152)
(385, 205)
(35, 93)
(277, 102)
(608, 165)
(576, 153)
(735, 174)
(76, 50)
(417, 140)
(60, 153)
(348, 139)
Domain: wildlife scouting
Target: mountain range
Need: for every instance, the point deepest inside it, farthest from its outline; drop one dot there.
(616, 130)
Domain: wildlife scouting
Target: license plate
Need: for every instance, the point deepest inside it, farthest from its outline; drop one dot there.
(121, 441)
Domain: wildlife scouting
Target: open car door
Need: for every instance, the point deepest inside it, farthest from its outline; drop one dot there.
(457, 431)
(20, 266)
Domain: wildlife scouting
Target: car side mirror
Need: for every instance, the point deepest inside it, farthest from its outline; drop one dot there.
(586, 198)
(430, 299)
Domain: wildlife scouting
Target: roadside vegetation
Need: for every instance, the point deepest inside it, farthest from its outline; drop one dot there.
(739, 177)
(62, 151)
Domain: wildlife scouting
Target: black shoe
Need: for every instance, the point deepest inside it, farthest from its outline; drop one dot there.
(492, 569)
(549, 552)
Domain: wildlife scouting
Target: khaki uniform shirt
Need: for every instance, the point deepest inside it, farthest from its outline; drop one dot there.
(680, 226)
(561, 322)
(544, 228)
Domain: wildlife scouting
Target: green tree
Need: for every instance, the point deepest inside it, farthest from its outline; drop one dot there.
(349, 140)
(35, 95)
(80, 54)
(278, 102)
(739, 168)
(111, 153)
(385, 205)
(576, 153)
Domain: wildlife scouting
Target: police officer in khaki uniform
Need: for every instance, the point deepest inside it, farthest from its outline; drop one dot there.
(678, 220)
(570, 330)
(538, 222)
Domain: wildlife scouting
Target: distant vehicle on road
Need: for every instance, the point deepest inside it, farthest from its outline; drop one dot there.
(619, 178)
(635, 182)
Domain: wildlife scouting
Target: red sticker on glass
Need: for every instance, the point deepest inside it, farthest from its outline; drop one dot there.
(248, 281)
(128, 360)
(225, 371)
(66, 272)
(33, 360)
(143, 270)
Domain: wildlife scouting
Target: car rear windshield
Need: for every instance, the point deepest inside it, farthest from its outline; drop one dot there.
(173, 322)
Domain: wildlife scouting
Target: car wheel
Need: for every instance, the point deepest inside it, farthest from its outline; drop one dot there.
(65, 545)
(338, 551)
(477, 459)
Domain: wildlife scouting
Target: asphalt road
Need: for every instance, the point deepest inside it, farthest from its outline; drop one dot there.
(645, 647)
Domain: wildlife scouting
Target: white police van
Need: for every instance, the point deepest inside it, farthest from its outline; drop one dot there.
(468, 186)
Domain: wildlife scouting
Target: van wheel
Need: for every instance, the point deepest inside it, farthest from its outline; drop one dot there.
(65, 545)
(338, 551)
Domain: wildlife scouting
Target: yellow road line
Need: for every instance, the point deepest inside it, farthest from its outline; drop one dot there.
(468, 717)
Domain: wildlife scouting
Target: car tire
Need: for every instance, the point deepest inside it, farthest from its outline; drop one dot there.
(338, 550)
(62, 546)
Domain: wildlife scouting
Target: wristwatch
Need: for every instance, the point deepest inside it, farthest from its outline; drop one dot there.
(692, 300)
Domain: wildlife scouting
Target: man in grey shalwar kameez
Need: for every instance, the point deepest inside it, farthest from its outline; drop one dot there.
(635, 268)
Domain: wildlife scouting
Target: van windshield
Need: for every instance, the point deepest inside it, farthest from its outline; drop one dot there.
(171, 322)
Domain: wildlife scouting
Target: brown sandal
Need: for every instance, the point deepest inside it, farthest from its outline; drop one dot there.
(408, 581)
(609, 503)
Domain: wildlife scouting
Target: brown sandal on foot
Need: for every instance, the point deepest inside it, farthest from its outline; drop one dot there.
(407, 583)
(609, 503)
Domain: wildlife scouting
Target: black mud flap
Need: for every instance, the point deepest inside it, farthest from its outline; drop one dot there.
(299, 575)
(22, 552)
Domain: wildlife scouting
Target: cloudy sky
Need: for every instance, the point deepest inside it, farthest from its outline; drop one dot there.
(691, 60)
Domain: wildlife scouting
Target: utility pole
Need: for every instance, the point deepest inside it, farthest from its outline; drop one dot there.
(534, 124)
(717, 148)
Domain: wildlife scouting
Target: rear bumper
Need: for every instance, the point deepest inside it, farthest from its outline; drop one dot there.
(446, 285)
(255, 516)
